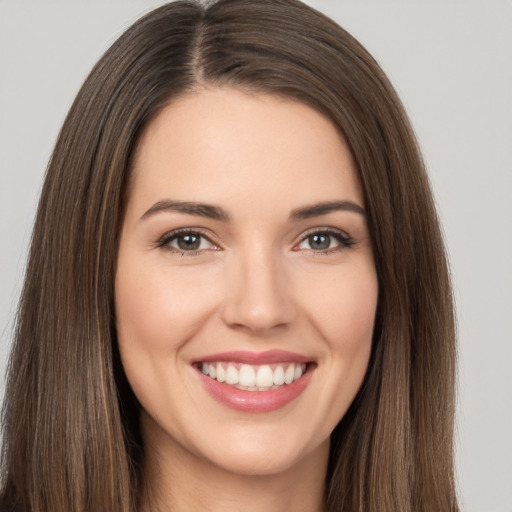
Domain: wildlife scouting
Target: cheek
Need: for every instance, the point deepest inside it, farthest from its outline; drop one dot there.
(157, 309)
(340, 307)
(343, 308)
(157, 312)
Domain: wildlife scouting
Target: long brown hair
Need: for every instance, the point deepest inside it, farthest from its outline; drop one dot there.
(71, 435)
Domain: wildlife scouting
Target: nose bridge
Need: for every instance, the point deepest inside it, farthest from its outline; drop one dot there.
(258, 296)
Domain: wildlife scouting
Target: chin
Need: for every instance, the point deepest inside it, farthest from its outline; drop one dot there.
(264, 453)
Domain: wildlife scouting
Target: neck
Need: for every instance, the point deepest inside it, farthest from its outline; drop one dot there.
(178, 481)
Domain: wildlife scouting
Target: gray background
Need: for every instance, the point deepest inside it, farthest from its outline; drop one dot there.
(451, 62)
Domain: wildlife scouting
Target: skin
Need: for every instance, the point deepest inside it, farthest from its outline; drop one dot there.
(256, 283)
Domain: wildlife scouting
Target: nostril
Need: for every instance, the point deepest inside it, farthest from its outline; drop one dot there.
(259, 318)
(258, 299)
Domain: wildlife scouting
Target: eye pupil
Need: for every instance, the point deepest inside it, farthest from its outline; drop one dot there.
(189, 242)
(319, 241)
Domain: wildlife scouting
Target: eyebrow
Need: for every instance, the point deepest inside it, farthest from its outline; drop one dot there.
(217, 213)
(318, 209)
(189, 207)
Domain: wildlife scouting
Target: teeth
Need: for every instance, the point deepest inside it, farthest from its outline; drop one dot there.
(265, 378)
(247, 376)
(232, 375)
(289, 374)
(279, 376)
(221, 373)
(254, 378)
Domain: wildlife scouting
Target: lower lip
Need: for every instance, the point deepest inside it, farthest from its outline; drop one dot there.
(256, 401)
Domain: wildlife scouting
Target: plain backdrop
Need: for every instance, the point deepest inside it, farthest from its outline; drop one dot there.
(451, 62)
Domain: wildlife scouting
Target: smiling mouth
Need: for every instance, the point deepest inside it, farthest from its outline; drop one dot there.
(249, 377)
(255, 382)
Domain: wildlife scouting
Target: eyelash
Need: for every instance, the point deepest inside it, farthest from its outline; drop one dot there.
(164, 242)
(345, 241)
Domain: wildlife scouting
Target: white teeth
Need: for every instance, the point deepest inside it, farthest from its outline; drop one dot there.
(265, 377)
(221, 373)
(254, 378)
(247, 376)
(231, 375)
(279, 376)
(289, 374)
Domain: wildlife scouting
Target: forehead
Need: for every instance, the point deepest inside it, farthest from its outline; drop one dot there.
(216, 143)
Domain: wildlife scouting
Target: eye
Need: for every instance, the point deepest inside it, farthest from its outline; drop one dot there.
(186, 241)
(325, 241)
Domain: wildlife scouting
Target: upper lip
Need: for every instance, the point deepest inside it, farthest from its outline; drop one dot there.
(243, 356)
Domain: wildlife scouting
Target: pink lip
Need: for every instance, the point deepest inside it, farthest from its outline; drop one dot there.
(256, 401)
(243, 356)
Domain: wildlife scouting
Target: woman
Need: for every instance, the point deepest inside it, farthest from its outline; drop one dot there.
(237, 295)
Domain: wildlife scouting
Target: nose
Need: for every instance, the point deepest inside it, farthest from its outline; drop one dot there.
(259, 297)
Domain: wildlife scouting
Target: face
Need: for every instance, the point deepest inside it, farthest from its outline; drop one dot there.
(246, 287)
